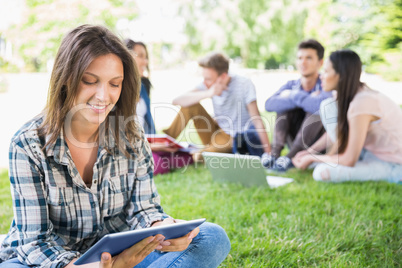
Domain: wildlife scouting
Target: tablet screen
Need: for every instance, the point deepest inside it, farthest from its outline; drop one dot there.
(118, 242)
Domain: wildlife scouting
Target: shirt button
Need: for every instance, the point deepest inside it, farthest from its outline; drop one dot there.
(95, 181)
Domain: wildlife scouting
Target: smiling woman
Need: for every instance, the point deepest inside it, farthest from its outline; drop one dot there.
(83, 169)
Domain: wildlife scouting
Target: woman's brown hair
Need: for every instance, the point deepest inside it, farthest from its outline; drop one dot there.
(348, 65)
(77, 50)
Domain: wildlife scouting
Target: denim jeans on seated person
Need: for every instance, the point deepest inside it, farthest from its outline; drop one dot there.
(208, 249)
(248, 142)
(367, 168)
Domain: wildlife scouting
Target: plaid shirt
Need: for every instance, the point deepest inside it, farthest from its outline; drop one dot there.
(56, 216)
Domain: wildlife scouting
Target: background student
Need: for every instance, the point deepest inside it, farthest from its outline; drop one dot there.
(140, 53)
(363, 125)
(165, 157)
(296, 105)
(77, 173)
(235, 107)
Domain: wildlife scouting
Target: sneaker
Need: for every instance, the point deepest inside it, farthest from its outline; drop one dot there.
(282, 164)
(267, 160)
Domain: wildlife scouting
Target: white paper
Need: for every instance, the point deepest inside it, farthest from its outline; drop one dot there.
(274, 181)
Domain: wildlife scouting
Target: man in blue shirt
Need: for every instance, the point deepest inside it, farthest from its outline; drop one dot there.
(297, 104)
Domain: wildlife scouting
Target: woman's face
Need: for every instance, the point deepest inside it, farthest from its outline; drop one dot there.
(99, 89)
(330, 77)
(141, 58)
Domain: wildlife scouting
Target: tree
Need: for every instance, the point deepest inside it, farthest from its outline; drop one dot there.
(38, 37)
(261, 33)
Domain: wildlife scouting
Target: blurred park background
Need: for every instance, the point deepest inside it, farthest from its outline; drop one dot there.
(260, 37)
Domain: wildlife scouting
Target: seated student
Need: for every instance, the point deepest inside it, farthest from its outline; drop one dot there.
(296, 104)
(140, 52)
(234, 103)
(363, 125)
(82, 169)
(165, 157)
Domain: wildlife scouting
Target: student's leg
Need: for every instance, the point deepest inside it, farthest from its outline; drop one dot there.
(208, 249)
(13, 263)
(308, 133)
(203, 122)
(286, 125)
(221, 142)
(368, 168)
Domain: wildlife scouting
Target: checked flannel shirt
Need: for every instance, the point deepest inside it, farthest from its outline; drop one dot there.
(56, 216)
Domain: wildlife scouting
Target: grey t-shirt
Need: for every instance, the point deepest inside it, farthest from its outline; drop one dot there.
(230, 108)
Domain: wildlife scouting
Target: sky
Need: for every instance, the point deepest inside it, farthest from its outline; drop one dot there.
(10, 12)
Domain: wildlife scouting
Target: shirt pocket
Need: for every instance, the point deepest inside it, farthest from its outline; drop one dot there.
(62, 211)
(119, 193)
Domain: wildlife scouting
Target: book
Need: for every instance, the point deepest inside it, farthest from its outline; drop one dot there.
(171, 142)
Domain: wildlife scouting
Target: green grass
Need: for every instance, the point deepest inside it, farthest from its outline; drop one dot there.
(303, 224)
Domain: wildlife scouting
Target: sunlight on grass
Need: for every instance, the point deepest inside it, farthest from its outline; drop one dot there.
(304, 224)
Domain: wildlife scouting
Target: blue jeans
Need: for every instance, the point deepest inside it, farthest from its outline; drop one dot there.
(208, 249)
(367, 168)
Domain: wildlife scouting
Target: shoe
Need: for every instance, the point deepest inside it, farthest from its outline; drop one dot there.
(282, 164)
(267, 160)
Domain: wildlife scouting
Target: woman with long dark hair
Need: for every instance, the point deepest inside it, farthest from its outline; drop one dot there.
(83, 169)
(363, 126)
(165, 157)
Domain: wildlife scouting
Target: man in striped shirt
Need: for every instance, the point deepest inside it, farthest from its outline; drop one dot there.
(235, 107)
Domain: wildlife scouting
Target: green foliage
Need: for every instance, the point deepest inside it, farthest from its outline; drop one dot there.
(35, 3)
(32, 19)
(108, 19)
(265, 34)
(6, 67)
(117, 3)
(372, 28)
(38, 36)
(6, 209)
(259, 32)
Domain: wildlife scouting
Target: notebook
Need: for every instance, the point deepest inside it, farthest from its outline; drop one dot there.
(166, 139)
(244, 169)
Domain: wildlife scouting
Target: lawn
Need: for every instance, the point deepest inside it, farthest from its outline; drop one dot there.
(303, 224)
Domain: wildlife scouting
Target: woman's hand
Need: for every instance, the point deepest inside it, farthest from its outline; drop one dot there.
(133, 255)
(309, 150)
(300, 154)
(303, 161)
(177, 244)
(219, 86)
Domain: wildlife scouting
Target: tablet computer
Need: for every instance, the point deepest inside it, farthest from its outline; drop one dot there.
(118, 242)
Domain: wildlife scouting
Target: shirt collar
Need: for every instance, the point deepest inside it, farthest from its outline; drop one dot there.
(60, 151)
(317, 86)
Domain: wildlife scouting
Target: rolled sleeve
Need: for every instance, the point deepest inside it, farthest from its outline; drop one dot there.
(277, 103)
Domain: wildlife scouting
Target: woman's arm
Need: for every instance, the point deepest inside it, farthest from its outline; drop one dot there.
(358, 127)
